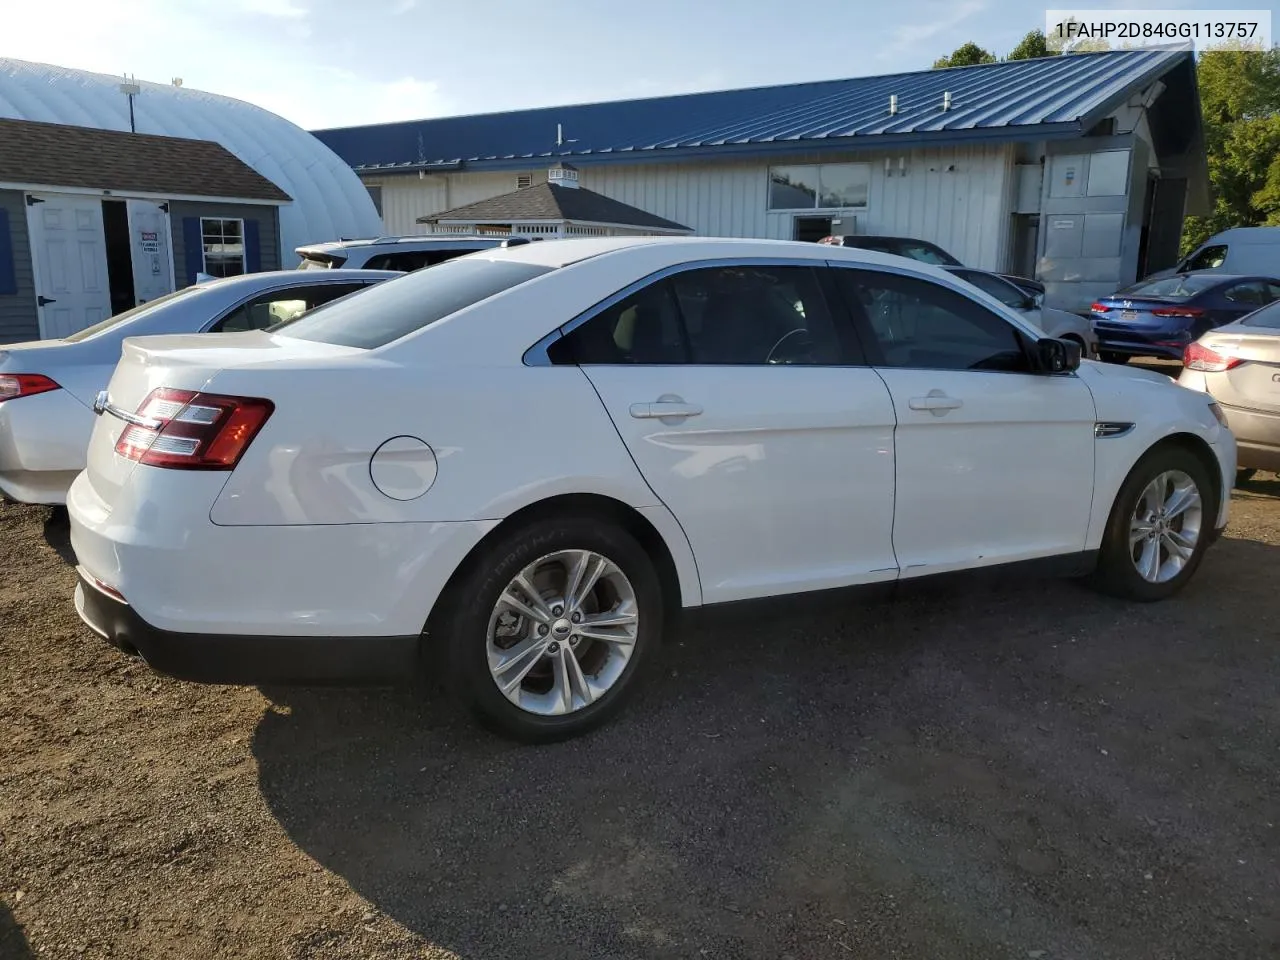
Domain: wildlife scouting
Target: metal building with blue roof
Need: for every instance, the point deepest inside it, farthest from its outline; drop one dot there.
(1076, 169)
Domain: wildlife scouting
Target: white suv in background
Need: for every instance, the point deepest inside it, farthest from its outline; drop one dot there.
(405, 254)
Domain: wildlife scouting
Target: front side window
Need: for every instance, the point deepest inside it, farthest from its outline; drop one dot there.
(281, 306)
(223, 241)
(809, 186)
(743, 315)
(401, 306)
(923, 325)
(1210, 258)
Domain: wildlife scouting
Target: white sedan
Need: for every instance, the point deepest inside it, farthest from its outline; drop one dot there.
(47, 386)
(510, 469)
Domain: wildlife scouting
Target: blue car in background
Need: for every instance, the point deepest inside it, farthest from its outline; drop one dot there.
(1159, 317)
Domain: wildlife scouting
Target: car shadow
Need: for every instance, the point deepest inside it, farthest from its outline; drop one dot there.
(1261, 485)
(57, 534)
(929, 775)
(13, 942)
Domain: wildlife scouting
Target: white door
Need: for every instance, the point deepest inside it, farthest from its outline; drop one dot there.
(994, 461)
(69, 256)
(150, 249)
(727, 387)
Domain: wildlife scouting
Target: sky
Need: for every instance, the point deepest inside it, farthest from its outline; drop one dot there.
(326, 63)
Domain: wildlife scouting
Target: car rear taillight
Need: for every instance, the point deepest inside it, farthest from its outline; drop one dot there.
(1099, 308)
(183, 429)
(1199, 357)
(1191, 312)
(15, 385)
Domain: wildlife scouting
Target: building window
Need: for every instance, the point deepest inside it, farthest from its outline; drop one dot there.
(223, 246)
(811, 186)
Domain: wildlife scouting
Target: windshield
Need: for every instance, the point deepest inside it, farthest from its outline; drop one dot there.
(1175, 288)
(104, 325)
(398, 307)
(1002, 290)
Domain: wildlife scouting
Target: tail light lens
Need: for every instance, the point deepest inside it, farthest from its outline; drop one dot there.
(1099, 308)
(1199, 357)
(1191, 312)
(15, 385)
(193, 431)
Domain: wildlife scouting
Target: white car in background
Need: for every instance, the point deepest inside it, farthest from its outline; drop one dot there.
(47, 387)
(508, 470)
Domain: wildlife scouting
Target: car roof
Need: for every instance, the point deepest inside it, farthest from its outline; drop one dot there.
(1245, 234)
(562, 253)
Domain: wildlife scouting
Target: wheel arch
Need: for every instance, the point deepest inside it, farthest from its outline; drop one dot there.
(673, 567)
(1199, 448)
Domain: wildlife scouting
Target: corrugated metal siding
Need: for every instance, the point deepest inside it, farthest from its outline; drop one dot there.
(268, 231)
(18, 318)
(966, 211)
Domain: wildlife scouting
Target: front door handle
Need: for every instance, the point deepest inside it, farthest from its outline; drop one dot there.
(937, 403)
(665, 408)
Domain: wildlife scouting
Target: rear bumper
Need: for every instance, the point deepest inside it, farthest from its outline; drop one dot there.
(223, 658)
(1135, 343)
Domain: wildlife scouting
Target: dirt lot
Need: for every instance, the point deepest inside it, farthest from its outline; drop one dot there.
(1011, 770)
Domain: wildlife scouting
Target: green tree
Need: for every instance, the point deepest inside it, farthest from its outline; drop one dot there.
(966, 55)
(1031, 47)
(1240, 101)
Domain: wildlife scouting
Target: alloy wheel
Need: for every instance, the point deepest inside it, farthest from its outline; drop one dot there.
(1165, 526)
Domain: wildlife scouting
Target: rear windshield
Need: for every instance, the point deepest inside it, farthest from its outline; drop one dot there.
(1268, 317)
(102, 326)
(398, 307)
(320, 261)
(1175, 288)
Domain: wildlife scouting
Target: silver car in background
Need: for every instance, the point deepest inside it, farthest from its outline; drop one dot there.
(1058, 324)
(47, 387)
(1239, 366)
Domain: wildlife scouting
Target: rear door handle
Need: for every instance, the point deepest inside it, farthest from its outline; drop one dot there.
(936, 402)
(664, 409)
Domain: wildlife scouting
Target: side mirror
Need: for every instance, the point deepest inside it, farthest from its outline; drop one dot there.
(1058, 356)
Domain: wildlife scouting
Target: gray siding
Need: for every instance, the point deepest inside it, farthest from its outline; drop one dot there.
(18, 318)
(268, 218)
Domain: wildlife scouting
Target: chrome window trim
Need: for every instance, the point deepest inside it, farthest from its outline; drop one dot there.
(536, 355)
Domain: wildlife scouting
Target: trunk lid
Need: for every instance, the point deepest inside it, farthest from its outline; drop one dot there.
(184, 362)
(1255, 383)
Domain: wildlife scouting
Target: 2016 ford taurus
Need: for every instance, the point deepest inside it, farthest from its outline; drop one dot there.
(507, 470)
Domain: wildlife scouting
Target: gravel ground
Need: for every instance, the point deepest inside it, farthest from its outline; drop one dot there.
(1016, 769)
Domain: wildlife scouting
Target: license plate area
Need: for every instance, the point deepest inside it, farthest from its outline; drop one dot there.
(1128, 314)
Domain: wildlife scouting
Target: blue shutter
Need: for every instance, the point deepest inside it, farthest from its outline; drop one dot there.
(8, 271)
(193, 247)
(252, 247)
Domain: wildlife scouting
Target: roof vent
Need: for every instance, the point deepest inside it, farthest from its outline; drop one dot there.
(524, 180)
(563, 175)
(893, 103)
(946, 100)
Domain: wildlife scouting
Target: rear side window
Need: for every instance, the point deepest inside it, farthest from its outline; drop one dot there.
(411, 260)
(396, 308)
(924, 252)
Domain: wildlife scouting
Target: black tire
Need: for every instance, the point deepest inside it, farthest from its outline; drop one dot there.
(1116, 573)
(462, 627)
(1244, 475)
(1106, 356)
